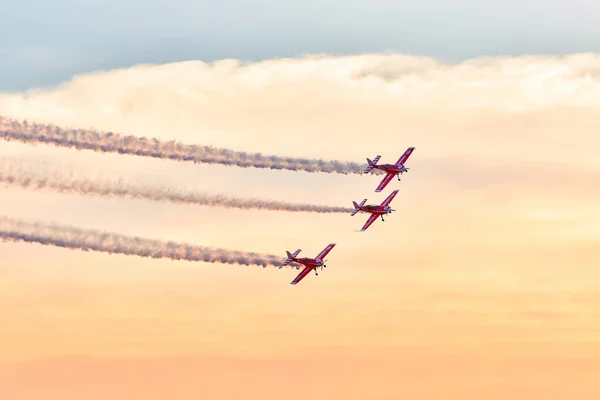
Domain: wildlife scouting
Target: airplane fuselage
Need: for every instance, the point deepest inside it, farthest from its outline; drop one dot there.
(309, 262)
(374, 209)
(390, 168)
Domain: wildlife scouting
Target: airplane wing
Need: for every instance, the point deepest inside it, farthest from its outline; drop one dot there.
(384, 182)
(389, 199)
(404, 156)
(371, 219)
(325, 251)
(301, 275)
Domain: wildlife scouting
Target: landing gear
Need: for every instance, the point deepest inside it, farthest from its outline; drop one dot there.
(382, 218)
(398, 178)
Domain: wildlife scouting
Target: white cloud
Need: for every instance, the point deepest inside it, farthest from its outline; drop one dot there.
(485, 131)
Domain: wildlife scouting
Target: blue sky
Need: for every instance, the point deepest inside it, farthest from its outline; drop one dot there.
(43, 43)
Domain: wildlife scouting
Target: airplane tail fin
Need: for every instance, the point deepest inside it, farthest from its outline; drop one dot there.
(357, 207)
(371, 164)
(289, 258)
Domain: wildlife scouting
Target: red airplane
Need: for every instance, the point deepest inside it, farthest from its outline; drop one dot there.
(391, 170)
(309, 263)
(375, 210)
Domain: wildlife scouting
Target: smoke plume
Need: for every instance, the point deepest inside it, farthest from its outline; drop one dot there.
(109, 142)
(112, 243)
(15, 173)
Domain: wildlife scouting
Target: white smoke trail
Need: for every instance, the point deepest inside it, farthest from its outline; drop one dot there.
(15, 173)
(108, 142)
(112, 243)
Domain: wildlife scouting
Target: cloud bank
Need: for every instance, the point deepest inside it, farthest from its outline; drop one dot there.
(517, 114)
(322, 108)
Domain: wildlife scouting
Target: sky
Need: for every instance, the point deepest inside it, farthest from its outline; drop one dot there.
(482, 284)
(47, 43)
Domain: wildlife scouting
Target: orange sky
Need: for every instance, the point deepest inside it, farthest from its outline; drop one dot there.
(481, 286)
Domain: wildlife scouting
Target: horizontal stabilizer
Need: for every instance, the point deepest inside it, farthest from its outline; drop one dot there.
(371, 164)
(357, 206)
(289, 258)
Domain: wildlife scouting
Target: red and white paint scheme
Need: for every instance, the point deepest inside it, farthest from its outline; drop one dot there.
(309, 263)
(375, 210)
(391, 170)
